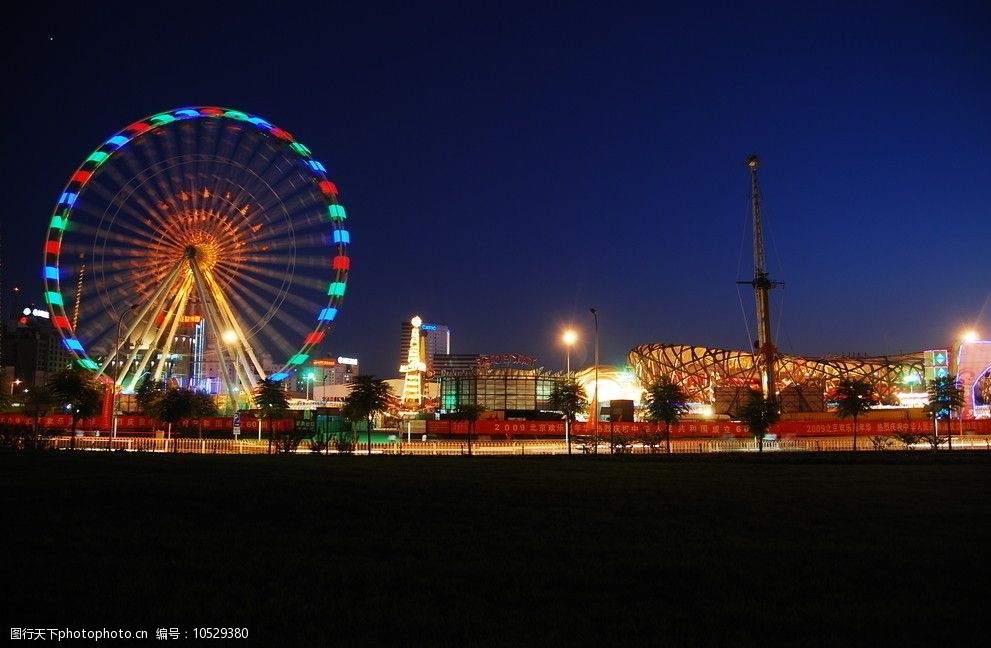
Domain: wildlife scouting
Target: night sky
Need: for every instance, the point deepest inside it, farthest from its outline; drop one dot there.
(507, 166)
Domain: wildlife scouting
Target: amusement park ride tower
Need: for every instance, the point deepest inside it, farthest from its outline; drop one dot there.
(414, 368)
(762, 286)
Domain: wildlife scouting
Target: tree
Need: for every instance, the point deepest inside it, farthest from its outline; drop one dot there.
(37, 401)
(148, 394)
(78, 391)
(665, 402)
(853, 397)
(271, 400)
(470, 412)
(175, 405)
(568, 397)
(368, 395)
(759, 414)
(945, 397)
(204, 406)
(907, 438)
(6, 391)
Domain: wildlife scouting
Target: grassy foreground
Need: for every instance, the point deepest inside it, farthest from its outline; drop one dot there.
(708, 550)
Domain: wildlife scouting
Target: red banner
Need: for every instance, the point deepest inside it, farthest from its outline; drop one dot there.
(129, 424)
(146, 424)
(707, 429)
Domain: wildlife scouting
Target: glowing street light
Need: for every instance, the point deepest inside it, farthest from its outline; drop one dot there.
(970, 336)
(569, 337)
(229, 336)
(595, 404)
(14, 384)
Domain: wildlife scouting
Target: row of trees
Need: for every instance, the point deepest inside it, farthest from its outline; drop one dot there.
(73, 390)
(855, 397)
(665, 402)
(81, 395)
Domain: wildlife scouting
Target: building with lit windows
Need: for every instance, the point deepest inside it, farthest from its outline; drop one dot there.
(511, 393)
(509, 385)
(434, 340)
(32, 348)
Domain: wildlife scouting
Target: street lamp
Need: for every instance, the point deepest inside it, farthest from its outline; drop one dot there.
(308, 377)
(13, 384)
(569, 337)
(595, 398)
(969, 336)
(120, 320)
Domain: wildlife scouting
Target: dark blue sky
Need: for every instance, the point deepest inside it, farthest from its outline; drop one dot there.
(506, 166)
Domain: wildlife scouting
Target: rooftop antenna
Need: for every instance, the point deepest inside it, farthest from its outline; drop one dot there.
(762, 285)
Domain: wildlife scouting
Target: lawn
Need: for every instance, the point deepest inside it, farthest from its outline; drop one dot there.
(688, 550)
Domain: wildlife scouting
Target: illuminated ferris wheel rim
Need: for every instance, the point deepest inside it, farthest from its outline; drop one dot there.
(62, 216)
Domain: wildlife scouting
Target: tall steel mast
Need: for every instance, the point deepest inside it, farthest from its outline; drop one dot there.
(762, 285)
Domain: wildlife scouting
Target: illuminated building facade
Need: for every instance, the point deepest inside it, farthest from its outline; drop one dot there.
(415, 366)
(32, 347)
(722, 377)
(455, 363)
(509, 384)
(334, 371)
(511, 392)
(434, 341)
(972, 366)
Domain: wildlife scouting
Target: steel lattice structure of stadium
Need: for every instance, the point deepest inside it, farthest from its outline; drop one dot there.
(720, 376)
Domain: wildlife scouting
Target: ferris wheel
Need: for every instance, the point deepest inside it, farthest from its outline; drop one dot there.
(203, 245)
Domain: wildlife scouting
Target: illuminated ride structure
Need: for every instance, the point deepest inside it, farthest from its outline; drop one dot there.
(210, 238)
(723, 377)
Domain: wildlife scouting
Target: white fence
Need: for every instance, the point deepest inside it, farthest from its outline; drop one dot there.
(529, 447)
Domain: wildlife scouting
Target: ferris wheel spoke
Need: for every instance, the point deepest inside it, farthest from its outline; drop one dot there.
(270, 334)
(173, 317)
(260, 319)
(144, 190)
(235, 325)
(251, 189)
(277, 294)
(246, 303)
(215, 323)
(99, 226)
(278, 262)
(143, 317)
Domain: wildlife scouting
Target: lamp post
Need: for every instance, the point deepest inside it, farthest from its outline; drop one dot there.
(309, 384)
(569, 337)
(595, 397)
(14, 383)
(120, 321)
(967, 337)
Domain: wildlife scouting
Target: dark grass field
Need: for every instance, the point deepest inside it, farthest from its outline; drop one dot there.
(830, 549)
